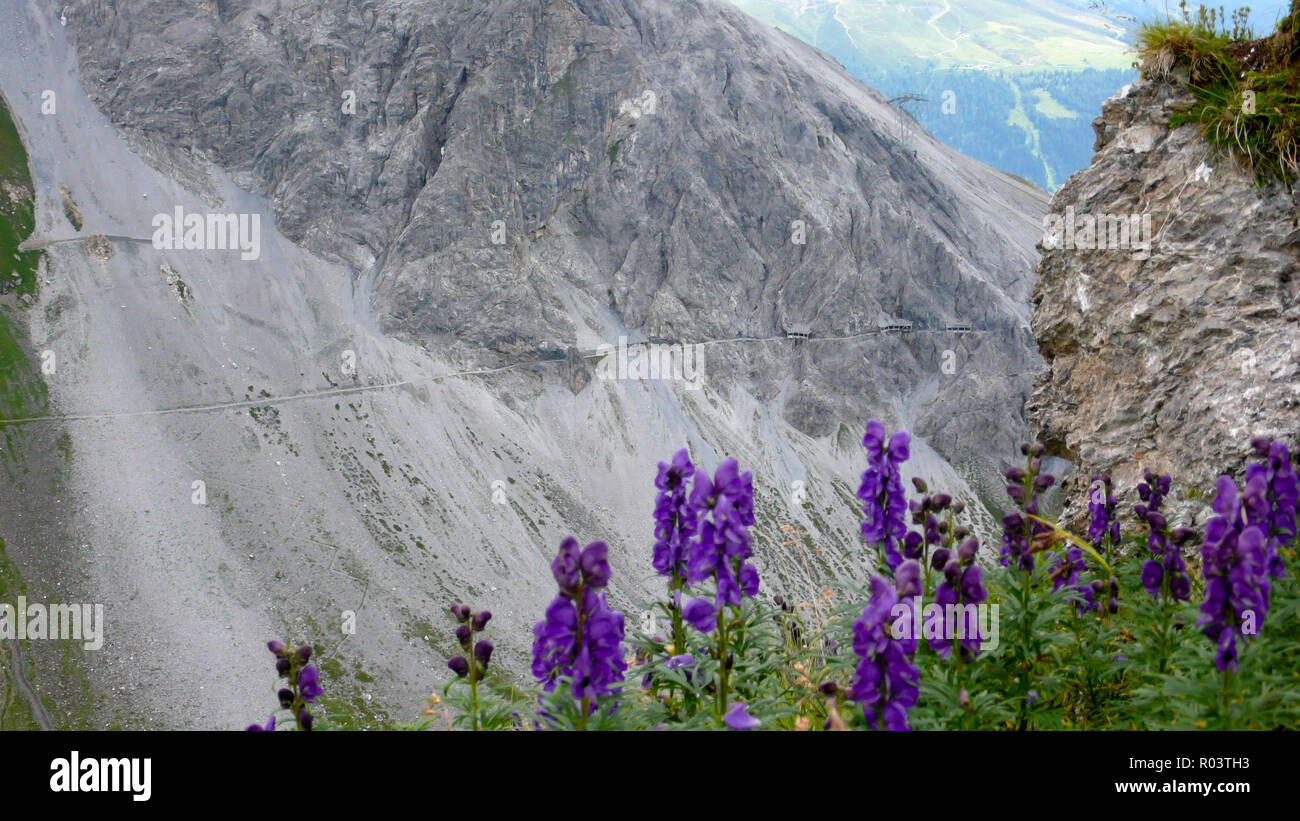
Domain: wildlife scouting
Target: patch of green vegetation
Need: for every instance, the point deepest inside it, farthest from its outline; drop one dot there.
(17, 211)
(1246, 90)
(1050, 107)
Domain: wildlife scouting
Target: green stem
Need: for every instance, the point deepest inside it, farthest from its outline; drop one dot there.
(577, 651)
(724, 675)
(679, 627)
(473, 683)
(1225, 700)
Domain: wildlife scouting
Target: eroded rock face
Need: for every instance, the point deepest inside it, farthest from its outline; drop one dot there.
(1173, 358)
(483, 166)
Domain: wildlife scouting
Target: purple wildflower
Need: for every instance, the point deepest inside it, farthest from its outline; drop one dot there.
(1275, 512)
(962, 585)
(1102, 520)
(738, 717)
(725, 506)
(700, 613)
(675, 518)
(1020, 533)
(1065, 573)
(885, 684)
(882, 491)
(270, 725)
(580, 637)
(1235, 563)
(309, 684)
(1164, 576)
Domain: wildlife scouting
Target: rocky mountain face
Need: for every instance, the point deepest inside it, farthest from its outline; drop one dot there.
(387, 408)
(1172, 350)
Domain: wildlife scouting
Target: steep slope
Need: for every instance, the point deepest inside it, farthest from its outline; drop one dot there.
(339, 396)
(1174, 356)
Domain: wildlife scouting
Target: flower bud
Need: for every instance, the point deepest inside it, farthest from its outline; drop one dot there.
(483, 652)
(912, 545)
(941, 501)
(963, 698)
(460, 611)
(286, 697)
(919, 484)
(1261, 444)
(1113, 606)
(966, 552)
(1024, 448)
(463, 635)
(960, 532)
(276, 647)
(1035, 464)
(828, 688)
(594, 564)
(1180, 535)
(1043, 481)
(481, 619)
(952, 571)
(459, 666)
(1015, 474)
(306, 718)
(304, 653)
(939, 558)
(282, 666)
(1038, 449)
(958, 506)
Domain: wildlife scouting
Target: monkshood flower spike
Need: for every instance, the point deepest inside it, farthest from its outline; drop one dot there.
(720, 552)
(676, 520)
(881, 491)
(472, 666)
(580, 638)
(885, 682)
(1275, 510)
(303, 684)
(963, 584)
(1022, 536)
(1103, 524)
(1235, 564)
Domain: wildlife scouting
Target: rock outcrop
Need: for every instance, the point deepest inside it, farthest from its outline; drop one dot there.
(1173, 355)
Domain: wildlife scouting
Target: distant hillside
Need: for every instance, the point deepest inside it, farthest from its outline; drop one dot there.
(1021, 83)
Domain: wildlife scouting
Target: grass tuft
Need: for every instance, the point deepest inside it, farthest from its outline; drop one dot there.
(1246, 89)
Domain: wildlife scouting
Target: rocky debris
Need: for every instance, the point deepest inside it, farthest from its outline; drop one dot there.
(175, 283)
(70, 209)
(98, 246)
(1172, 357)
